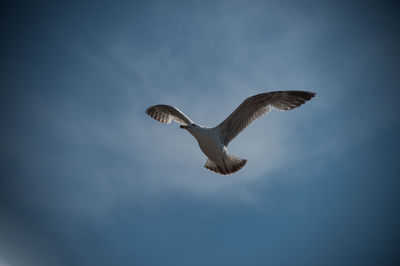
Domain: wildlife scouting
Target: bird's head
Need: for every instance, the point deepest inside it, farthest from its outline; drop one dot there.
(193, 129)
(189, 126)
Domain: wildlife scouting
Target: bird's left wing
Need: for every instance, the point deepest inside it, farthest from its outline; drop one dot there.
(165, 113)
(258, 105)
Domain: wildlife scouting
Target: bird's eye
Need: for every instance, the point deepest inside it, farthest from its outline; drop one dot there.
(193, 124)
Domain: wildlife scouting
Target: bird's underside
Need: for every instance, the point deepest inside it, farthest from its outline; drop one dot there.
(213, 141)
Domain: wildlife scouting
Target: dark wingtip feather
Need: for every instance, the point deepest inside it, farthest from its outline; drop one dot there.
(303, 94)
(157, 115)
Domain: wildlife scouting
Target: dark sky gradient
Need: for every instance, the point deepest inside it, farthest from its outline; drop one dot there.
(88, 179)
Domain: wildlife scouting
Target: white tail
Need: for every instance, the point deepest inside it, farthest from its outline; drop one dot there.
(230, 165)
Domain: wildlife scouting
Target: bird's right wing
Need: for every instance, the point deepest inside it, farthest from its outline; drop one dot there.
(165, 113)
(258, 105)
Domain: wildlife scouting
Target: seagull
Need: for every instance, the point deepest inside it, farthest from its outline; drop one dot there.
(213, 141)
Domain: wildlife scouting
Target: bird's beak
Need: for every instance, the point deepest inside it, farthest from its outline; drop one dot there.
(182, 126)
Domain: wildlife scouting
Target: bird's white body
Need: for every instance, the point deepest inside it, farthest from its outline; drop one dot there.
(210, 142)
(213, 141)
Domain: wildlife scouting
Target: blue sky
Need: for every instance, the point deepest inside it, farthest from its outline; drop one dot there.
(87, 178)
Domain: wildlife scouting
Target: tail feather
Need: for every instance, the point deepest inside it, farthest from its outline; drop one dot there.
(230, 165)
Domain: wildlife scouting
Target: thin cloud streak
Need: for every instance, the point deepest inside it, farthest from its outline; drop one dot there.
(145, 146)
(91, 178)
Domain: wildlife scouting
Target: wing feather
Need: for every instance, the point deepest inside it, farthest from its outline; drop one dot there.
(258, 105)
(165, 113)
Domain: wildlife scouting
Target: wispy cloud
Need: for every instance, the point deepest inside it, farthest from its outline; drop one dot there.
(122, 151)
(87, 173)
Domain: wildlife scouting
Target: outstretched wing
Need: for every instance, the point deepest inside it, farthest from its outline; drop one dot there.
(165, 113)
(258, 105)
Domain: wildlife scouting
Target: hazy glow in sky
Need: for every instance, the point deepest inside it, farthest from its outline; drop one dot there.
(87, 178)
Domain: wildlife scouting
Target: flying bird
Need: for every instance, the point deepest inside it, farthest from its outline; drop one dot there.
(214, 141)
